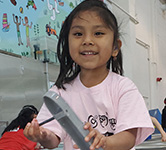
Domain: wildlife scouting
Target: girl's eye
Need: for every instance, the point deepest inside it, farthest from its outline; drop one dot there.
(99, 33)
(78, 34)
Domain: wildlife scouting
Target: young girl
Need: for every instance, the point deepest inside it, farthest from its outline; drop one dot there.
(110, 105)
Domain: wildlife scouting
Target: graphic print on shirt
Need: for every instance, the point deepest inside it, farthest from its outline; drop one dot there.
(103, 121)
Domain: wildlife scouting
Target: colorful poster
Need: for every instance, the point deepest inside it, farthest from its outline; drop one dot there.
(27, 26)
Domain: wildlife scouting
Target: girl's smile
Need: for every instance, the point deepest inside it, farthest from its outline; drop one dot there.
(86, 52)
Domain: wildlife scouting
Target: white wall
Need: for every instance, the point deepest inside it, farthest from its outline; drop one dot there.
(160, 54)
(152, 31)
(144, 47)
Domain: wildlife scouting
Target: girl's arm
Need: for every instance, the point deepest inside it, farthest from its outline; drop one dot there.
(159, 127)
(45, 137)
(124, 140)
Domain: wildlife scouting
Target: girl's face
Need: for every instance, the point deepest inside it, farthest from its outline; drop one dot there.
(91, 41)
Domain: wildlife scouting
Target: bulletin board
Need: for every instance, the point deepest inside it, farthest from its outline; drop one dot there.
(23, 23)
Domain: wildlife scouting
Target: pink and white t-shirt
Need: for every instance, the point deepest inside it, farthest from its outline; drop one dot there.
(111, 107)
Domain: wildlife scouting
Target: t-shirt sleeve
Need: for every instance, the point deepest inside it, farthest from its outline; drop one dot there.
(132, 111)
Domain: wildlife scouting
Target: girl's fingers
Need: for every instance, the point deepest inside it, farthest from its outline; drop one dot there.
(91, 134)
(75, 146)
(87, 126)
(26, 129)
(32, 131)
(102, 142)
(43, 133)
(99, 140)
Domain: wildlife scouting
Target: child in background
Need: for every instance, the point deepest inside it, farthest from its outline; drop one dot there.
(159, 127)
(13, 137)
(109, 104)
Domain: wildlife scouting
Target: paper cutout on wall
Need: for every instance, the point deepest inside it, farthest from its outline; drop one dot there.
(31, 3)
(21, 10)
(13, 2)
(50, 31)
(53, 9)
(48, 18)
(17, 21)
(27, 30)
(5, 23)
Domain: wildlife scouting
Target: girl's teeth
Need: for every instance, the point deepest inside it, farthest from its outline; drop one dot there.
(88, 53)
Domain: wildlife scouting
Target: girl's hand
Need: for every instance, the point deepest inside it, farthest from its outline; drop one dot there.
(98, 139)
(163, 137)
(35, 133)
(45, 137)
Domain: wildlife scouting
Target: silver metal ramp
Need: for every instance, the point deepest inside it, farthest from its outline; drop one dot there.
(153, 144)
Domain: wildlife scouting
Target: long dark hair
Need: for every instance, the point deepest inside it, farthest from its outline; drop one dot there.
(68, 68)
(25, 115)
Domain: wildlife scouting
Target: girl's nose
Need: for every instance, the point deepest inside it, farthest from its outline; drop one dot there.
(88, 41)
